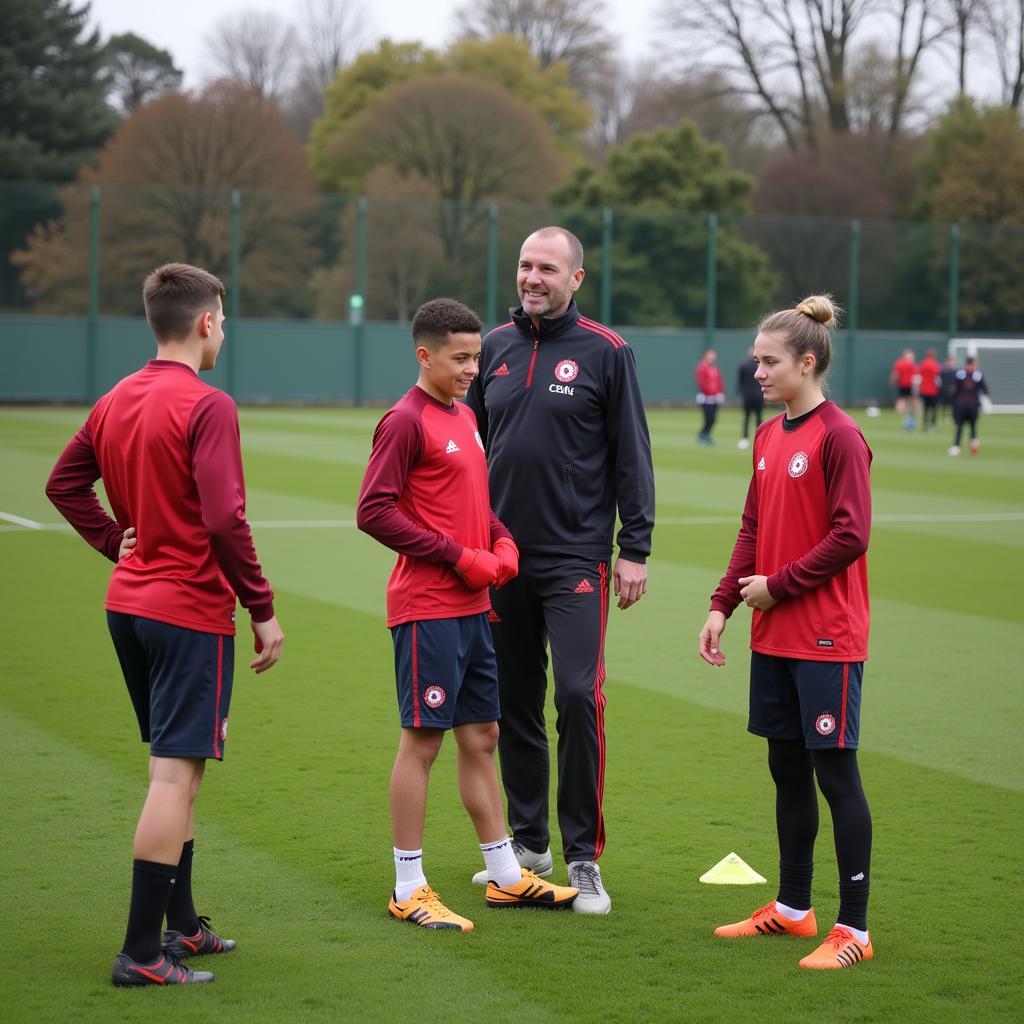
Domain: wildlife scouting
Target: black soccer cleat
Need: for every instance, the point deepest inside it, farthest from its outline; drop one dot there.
(204, 942)
(167, 969)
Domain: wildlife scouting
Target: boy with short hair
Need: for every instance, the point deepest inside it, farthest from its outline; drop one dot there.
(425, 496)
(166, 446)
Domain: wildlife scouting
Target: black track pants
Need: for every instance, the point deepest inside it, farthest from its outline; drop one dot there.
(561, 601)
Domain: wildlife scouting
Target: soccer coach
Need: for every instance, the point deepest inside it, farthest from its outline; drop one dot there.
(558, 405)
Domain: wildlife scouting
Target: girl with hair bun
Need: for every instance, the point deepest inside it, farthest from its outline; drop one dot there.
(799, 563)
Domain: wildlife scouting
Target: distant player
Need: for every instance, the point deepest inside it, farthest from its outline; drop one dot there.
(902, 377)
(947, 386)
(968, 387)
(166, 446)
(750, 392)
(799, 562)
(929, 370)
(710, 393)
(425, 496)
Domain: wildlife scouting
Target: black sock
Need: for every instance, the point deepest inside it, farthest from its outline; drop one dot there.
(151, 889)
(181, 912)
(839, 779)
(796, 818)
(795, 885)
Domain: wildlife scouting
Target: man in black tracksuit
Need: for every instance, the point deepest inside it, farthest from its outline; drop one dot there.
(559, 408)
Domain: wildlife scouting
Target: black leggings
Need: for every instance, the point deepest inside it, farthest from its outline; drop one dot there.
(710, 414)
(971, 419)
(794, 769)
(751, 409)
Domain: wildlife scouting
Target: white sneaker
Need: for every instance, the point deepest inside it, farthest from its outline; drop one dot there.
(539, 863)
(954, 449)
(585, 875)
(742, 443)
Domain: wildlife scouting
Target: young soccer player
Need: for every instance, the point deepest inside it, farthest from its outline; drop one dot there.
(968, 387)
(902, 377)
(167, 449)
(929, 389)
(710, 392)
(799, 562)
(425, 496)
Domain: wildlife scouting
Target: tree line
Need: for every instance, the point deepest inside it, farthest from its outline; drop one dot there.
(767, 107)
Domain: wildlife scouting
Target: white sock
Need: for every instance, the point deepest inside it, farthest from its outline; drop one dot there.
(861, 937)
(501, 864)
(408, 873)
(790, 913)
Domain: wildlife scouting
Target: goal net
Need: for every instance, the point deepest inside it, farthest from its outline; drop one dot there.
(1002, 362)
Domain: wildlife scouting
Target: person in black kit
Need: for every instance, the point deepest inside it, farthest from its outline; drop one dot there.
(968, 388)
(558, 405)
(753, 398)
(947, 386)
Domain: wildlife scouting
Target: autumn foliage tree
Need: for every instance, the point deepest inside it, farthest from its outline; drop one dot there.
(166, 178)
(503, 63)
(663, 184)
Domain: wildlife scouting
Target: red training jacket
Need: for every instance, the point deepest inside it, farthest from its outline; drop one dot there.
(425, 496)
(167, 448)
(805, 526)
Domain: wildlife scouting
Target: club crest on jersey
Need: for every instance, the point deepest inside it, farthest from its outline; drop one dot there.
(434, 696)
(798, 464)
(825, 724)
(478, 439)
(567, 371)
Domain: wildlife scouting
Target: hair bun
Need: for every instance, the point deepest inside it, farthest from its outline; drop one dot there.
(819, 308)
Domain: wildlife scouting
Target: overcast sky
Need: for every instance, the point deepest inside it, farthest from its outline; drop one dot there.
(181, 26)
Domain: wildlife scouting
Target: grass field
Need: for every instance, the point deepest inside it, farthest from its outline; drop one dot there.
(293, 855)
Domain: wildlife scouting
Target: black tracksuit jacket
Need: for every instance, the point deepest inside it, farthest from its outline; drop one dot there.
(566, 437)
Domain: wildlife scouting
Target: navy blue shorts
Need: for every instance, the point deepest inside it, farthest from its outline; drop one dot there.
(445, 672)
(816, 701)
(179, 681)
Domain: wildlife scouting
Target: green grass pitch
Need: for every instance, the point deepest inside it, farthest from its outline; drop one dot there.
(293, 855)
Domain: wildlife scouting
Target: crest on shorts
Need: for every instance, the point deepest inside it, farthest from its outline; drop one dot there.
(224, 730)
(567, 370)
(798, 464)
(434, 696)
(825, 724)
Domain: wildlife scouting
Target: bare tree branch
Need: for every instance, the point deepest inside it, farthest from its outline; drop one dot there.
(256, 48)
(569, 30)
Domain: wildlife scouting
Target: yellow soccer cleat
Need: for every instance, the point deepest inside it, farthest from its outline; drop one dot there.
(768, 921)
(424, 908)
(531, 891)
(841, 948)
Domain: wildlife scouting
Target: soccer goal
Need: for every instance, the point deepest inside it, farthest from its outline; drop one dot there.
(1002, 362)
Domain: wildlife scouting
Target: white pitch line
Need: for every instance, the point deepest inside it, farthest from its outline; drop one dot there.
(882, 517)
(18, 523)
(301, 524)
(29, 524)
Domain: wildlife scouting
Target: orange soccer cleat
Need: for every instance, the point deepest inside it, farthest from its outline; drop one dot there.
(841, 948)
(531, 891)
(424, 908)
(768, 921)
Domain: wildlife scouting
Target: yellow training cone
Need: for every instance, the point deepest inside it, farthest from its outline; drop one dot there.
(732, 870)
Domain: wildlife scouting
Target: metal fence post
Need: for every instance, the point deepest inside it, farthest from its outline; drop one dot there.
(234, 295)
(954, 278)
(92, 324)
(852, 309)
(607, 240)
(359, 329)
(492, 265)
(711, 307)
